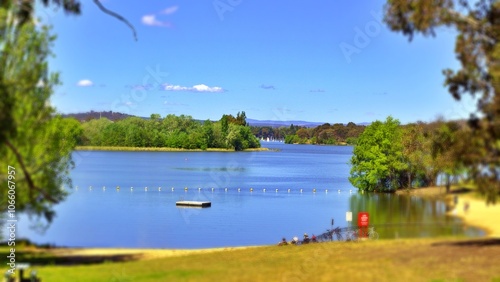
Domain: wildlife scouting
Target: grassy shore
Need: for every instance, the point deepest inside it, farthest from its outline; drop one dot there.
(383, 260)
(434, 259)
(160, 149)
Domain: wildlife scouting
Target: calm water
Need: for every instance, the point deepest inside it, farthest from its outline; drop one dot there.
(134, 217)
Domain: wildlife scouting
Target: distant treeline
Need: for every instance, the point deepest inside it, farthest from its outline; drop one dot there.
(171, 131)
(336, 134)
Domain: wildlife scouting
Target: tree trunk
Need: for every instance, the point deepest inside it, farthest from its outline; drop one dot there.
(447, 183)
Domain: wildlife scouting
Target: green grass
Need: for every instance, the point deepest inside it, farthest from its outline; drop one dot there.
(159, 149)
(383, 260)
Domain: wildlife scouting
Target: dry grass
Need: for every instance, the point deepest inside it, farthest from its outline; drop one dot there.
(383, 260)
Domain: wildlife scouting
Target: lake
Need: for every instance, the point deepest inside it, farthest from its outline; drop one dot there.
(282, 203)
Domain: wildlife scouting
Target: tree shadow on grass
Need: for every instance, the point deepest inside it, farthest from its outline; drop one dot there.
(461, 190)
(37, 258)
(471, 243)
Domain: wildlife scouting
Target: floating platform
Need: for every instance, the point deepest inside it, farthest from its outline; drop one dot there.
(195, 204)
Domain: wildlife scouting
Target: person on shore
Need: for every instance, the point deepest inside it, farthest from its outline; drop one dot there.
(466, 207)
(295, 240)
(283, 242)
(314, 239)
(306, 239)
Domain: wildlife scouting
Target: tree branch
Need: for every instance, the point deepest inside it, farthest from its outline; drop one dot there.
(27, 175)
(113, 14)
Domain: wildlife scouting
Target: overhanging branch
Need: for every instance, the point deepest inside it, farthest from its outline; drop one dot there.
(27, 175)
(119, 17)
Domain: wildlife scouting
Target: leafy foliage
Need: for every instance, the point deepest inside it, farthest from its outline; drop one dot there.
(33, 139)
(377, 161)
(172, 131)
(477, 47)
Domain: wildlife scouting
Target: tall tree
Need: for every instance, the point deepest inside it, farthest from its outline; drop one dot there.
(33, 139)
(478, 50)
(377, 162)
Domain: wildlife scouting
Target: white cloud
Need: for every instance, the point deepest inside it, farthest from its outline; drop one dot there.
(85, 83)
(204, 88)
(170, 10)
(196, 88)
(152, 21)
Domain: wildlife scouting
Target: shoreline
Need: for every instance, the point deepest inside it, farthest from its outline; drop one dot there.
(161, 149)
(478, 214)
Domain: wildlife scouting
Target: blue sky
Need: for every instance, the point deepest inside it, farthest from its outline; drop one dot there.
(322, 61)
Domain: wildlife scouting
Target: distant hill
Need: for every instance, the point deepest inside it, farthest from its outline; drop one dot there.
(287, 123)
(252, 122)
(279, 123)
(96, 115)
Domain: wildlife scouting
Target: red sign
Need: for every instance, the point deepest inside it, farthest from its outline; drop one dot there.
(363, 219)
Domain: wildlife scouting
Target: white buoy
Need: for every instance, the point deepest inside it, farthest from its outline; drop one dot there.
(145, 188)
(103, 188)
(185, 188)
(276, 190)
(212, 189)
(300, 190)
(76, 187)
(326, 191)
(118, 188)
(314, 190)
(251, 189)
(350, 191)
(159, 188)
(339, 190)
(131, 188)
(199, 189)
(239, 189)
(172, 189)
(264, 190)
(90, 187)
(288, 190)
(225, 189)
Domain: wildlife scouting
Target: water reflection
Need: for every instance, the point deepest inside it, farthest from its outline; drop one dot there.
(406, 216)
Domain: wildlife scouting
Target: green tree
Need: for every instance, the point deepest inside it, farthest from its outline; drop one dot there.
(447, 149)
(377, 162)
(208, 135)
(416, 154)
(477, 47)
(33, 139)
(92, 131)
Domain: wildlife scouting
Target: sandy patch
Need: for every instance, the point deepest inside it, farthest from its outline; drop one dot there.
(138, 253)
(478, 214)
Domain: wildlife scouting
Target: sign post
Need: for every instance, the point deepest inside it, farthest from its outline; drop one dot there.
(363, 222)
(348, 218)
